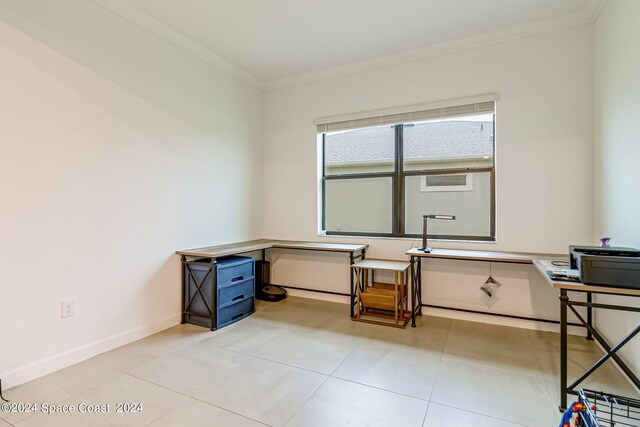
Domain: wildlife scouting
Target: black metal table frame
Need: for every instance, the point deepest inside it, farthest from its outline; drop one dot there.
(610, 352)
(212, 270)
(416, 288)
(212, 273)
(352, 289)
(565, 302)
(416, 297)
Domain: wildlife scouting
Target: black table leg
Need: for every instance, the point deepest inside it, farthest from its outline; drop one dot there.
(214, 294)
(589, 316)
(352, 290)
(610, 352)
(416, 289)
(563, 349)
(183, 315)
(419, 290)
(413, 292)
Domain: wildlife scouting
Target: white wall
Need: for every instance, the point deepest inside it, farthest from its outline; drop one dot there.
(544, 155)
(617, 136)
(116, 149)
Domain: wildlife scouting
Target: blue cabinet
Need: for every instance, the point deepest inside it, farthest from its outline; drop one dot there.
(218, 291)
(234, 269)
(236, 289)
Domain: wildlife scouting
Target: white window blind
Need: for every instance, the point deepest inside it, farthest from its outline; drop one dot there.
(452, 108)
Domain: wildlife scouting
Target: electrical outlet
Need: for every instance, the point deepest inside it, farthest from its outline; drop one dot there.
(68, 308)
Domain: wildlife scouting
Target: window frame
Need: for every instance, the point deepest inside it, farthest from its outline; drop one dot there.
(398, 176)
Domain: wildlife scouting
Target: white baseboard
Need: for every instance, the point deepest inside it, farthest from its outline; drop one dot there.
(319, 296)
(51, 364)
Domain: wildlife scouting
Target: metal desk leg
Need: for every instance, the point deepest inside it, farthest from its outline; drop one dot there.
(214, 293)
(413, 294)
(563, 349)
(183, 316)
(419, 290)
(198, 290)
(416, 289)
(610, 352)
(352, 289)
(589, 316)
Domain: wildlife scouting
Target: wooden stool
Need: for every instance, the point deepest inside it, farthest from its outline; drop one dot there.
(381, 300)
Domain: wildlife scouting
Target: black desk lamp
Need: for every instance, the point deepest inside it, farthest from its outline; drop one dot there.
(425, 218)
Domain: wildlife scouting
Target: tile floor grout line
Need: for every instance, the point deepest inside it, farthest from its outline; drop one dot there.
(161, 415)
(224, 349)
(331, 375)
(491, 368)
(550, 392)
(189, 397)
(380, 388)
(70, 396)
(344, 360)
(272, 361)
(539, 349)
(24, 419)
(305, 402)
(424, 419)
(212, 405)
(228, 410)
(372, 386)
(535, 353)
(444, 346)
(494, 368)
(351, 381)
(504, 371)
(482, 415)
(446, 340)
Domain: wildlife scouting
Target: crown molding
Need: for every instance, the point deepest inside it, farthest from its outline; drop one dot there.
(594, 8)
(144, 20)
(585, 16)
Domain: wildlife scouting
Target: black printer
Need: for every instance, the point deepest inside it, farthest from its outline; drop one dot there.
(617, 267)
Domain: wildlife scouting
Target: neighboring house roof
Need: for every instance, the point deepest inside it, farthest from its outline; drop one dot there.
(423, 141)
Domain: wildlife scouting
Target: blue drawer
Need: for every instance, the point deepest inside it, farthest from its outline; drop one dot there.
(234, 269)
(236, 311)
(235, 291)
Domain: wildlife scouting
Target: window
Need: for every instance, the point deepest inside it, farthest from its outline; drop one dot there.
(447, 182)
(380, 175)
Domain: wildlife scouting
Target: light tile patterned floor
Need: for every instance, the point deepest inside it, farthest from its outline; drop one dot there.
(302, 362)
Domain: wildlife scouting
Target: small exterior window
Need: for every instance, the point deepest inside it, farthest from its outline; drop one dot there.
(447, 183)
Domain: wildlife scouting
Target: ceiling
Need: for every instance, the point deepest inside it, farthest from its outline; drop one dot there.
(272, 42)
